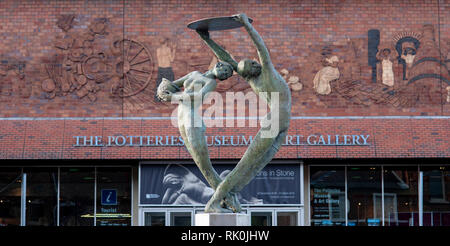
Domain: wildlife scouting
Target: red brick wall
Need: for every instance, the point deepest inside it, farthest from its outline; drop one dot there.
(48, 69)
(389, 138)
(296, 33)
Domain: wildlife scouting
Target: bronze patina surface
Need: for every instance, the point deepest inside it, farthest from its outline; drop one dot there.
(216, 23)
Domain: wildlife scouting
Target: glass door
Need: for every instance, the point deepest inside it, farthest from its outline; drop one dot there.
(275, 217)
(166, 217)
(180, 218)
(285, 218)
(41, 196)
(185, 217)
(10, 196)
(262, 218)
(154, 218)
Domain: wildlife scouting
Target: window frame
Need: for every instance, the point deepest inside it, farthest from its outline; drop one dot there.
(24, 188)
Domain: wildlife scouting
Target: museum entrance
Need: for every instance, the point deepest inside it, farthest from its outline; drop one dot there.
(275, 216)
(185, 216)
(166, 217)
(171, 193)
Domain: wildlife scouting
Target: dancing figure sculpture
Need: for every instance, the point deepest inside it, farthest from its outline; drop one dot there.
(266, 81)
(191, 126)
(263, 79)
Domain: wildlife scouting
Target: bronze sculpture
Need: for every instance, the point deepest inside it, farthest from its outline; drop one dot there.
(264, 80)
(191, 126)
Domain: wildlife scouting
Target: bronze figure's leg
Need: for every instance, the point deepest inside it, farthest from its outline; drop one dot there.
(258, 154)
(196, 144)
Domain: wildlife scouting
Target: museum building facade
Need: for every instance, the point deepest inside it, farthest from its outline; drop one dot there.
(69, 174)
(84, 141)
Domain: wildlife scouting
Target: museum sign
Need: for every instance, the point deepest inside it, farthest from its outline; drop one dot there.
(217, 140)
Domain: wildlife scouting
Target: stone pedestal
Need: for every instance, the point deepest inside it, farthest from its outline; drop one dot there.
(222, 219)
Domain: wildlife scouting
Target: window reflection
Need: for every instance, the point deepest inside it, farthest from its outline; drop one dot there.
(261, 218)
(77, 196)
(154, 219)
(400, 196)
(287, 219)
(42, 191)
(76, 193)
(364, 194)
(10, 196)
(327, 196)
(180, 218)
(113, 196)
(436, 196)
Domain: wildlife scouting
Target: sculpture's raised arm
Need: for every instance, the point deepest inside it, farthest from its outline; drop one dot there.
(220, 52)
(263, 52)
(168, 91)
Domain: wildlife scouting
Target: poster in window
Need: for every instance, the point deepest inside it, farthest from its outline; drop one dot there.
(176, 184)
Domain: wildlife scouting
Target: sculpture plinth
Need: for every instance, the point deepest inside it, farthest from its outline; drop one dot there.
(222, 219)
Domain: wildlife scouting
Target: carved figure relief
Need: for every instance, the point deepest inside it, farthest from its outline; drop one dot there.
(448, 93)
(428, 70)
(292, 81)
(387, 61)
(373, 41)
(409, 68)
(328, 73)
(165, 55)
(415, 56)
(407, 44)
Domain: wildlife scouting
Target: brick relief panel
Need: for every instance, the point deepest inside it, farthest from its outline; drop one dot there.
(106, 59)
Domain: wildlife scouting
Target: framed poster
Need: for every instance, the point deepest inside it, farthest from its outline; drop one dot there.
(175, 184)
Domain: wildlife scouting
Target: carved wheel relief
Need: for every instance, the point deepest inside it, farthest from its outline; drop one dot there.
(133, 69)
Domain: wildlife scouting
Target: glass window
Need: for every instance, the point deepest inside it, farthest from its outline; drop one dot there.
(42, 191)
(10, 196)
(180, 218)
(327, 196)
(400, 196)
(77, 196)
(113, 196)
(154, 218)
(436, 196)
(364, 194)
(287, 218)
(261, 218)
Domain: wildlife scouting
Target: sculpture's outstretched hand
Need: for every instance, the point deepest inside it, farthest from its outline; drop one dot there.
(166, 89)
(242, 18)
(165, 97)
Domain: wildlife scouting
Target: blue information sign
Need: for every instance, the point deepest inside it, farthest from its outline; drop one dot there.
(109, 197)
